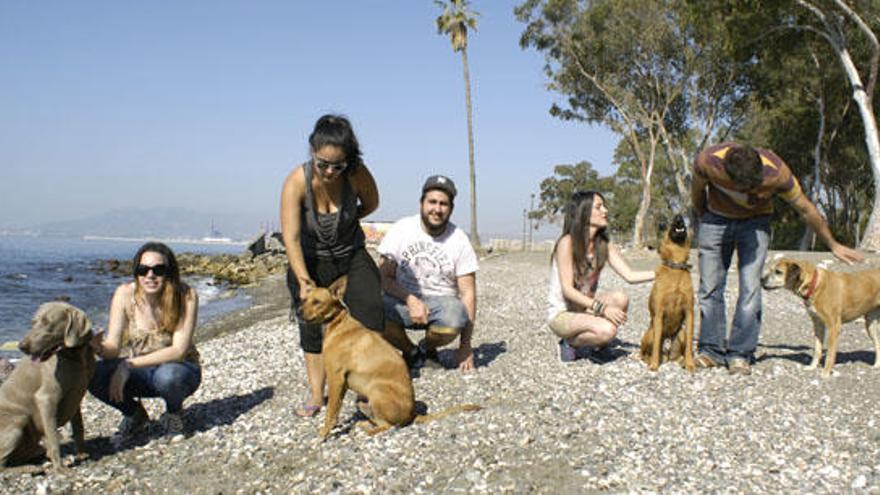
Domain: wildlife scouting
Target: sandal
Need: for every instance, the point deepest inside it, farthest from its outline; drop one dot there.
(705, 362)
(307, 411)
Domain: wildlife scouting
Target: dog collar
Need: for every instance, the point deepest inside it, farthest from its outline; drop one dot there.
(813, 282)
(677, 266)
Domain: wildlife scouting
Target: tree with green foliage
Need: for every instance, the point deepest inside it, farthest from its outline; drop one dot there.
(455, 21)
(556, 191)
(637, 68)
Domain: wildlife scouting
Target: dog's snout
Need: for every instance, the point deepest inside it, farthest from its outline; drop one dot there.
(24, 346)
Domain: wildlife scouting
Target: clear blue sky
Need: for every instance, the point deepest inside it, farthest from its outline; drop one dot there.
(208, 105)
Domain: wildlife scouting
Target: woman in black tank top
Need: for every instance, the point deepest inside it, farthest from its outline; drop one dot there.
(322, 202)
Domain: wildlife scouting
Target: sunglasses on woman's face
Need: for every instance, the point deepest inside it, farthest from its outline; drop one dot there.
(336, 166)
(158, 270)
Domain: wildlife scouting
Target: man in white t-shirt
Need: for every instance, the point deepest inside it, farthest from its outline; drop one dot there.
(429, 278)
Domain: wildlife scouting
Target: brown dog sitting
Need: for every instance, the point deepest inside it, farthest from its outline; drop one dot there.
(44, 392)
(360, 359)
(671, 303)
(831, 299)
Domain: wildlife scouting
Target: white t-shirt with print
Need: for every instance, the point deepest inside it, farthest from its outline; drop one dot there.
(426, 265)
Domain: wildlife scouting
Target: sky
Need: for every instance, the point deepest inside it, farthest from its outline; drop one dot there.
(208, 106)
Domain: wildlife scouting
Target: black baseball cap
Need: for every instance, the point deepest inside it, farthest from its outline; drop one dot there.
(442, 183)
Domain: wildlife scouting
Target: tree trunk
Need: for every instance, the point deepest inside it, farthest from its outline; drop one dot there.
(475, 236)
(638, 239)
(809, 236)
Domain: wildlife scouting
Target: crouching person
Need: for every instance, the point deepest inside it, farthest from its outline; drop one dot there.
(156, 313)
(428, 272)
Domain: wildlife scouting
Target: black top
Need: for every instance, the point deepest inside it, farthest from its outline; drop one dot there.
(330, 235)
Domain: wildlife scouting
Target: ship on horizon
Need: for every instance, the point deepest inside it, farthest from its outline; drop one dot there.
(216, 236)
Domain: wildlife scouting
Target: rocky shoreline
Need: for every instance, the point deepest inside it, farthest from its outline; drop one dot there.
(546, 426)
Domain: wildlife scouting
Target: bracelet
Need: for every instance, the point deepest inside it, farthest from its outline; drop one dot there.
(598, 307)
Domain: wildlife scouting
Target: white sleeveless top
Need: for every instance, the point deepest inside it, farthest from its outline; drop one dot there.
(556, 302)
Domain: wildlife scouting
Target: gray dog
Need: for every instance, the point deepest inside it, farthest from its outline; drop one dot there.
(44, 392)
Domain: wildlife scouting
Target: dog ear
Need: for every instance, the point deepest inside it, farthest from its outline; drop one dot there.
(78, 327)
(337, 288)
(793, 275)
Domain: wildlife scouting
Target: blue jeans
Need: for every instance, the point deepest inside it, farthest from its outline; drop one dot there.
(443, 311)
(718, 238)
(173, 382)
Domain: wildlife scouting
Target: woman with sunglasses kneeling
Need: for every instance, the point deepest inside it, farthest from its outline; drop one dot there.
(148, 348)
(322, 202)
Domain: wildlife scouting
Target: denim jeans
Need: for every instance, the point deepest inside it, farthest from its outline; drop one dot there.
(443, 311)
(173, 382)
(718, 238)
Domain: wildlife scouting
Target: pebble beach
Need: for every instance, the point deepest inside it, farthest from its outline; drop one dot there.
(545, 426)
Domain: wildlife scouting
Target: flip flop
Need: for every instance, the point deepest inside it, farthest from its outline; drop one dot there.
(307, 411)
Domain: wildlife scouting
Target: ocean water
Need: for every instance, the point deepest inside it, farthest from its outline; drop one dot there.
(34, 270)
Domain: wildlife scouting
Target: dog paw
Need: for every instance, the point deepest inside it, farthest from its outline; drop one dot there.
(324, 432)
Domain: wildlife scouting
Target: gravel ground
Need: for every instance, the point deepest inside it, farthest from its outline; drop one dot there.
(546, 426)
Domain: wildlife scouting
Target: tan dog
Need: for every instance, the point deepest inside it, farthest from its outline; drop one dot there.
(44, 392)
(671, 303)
(360, 359)
(831, 299)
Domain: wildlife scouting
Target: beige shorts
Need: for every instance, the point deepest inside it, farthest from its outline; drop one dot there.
(561, 323)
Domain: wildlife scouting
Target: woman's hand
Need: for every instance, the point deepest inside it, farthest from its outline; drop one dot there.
(305, 286)
(118, 380)
(97, 342)
(615, 315)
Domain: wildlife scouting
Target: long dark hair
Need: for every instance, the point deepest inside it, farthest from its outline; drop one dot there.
(173, 290)
(335, 130)
(576, 223)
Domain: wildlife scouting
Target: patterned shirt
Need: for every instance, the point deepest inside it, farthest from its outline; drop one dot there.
(725, 200)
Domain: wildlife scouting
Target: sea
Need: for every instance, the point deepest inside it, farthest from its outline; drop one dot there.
(37, 269)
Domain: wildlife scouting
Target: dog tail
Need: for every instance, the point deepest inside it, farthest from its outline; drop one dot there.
(424, 418)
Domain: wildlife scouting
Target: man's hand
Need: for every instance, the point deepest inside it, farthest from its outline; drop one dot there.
(465, 357)
(847, 254)
(117, 381)
(418, 312)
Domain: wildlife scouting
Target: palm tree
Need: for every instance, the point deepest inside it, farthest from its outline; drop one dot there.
(455, 21)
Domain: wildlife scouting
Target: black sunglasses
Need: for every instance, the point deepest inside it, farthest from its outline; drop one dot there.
(336, 166)
(158, 270)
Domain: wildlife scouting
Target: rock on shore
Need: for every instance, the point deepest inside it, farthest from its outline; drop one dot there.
(546, 426)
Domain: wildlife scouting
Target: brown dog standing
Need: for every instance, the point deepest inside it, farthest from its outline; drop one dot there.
(831, 299)
(44, 393)
(357, 358)
(671, 303)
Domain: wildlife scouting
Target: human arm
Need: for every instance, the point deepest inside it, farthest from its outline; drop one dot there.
(388, 271)
(367, 192)
(292, 196)
(467, 293)
(698, 189)
(814, 219)
(117, 321)
(619, 264)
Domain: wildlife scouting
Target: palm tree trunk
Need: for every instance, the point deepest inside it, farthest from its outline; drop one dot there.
(475, 236)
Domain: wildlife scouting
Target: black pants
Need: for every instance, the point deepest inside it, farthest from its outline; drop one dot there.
(363, 295)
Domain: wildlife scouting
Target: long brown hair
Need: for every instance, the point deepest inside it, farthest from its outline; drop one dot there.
(576, 223)
(173, 290)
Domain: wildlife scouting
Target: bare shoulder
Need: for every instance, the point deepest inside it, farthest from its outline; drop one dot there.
(295, 180)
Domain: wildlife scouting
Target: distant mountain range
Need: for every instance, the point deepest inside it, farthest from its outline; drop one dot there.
(159, 223)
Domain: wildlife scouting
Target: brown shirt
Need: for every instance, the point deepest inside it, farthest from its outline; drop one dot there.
(144, 336)
(723, 198)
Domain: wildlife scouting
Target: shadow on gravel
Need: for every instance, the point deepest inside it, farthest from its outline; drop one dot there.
(199, 417)
(486, 353)
(805, 355)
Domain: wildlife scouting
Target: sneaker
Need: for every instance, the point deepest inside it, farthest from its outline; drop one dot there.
(173, 425)
(131, 425)
(738, 367)
(432, 359)
(567, 353)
